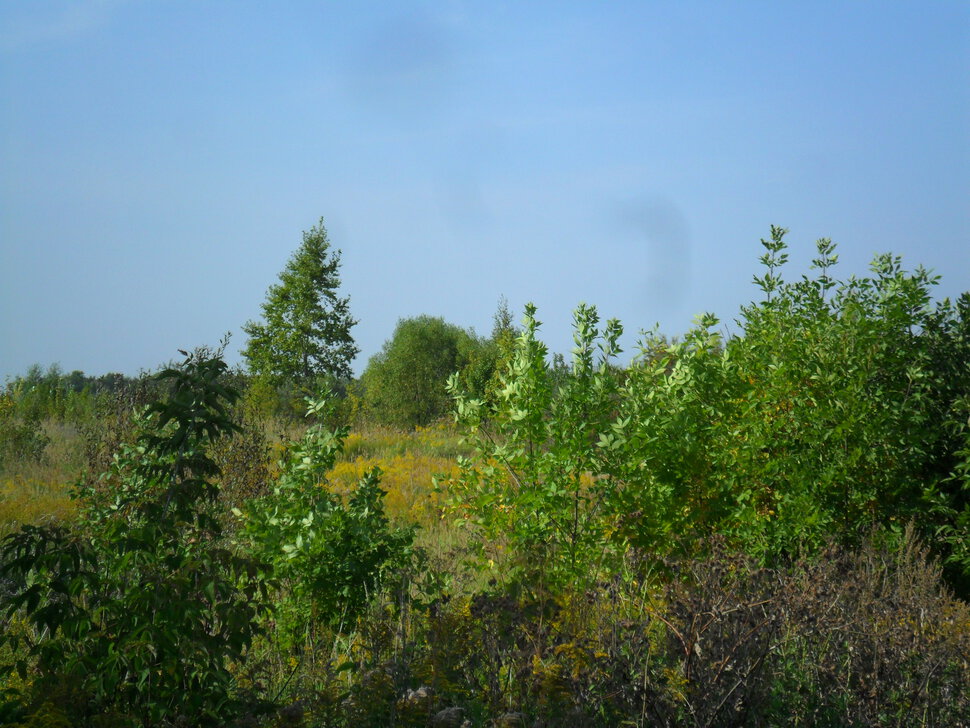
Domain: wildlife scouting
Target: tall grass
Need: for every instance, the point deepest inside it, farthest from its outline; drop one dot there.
(441, 440)
(38, 491)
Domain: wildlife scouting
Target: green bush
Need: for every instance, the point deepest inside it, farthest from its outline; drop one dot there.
(139, 608)
(538, 491)
(841, 406)
(327, 557)
(404, 384)
(22, 438)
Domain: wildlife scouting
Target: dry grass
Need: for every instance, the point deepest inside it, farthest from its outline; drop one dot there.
(441, 440)
(410, 462)
(408, 480)
(32, 492)
(27, 501)
(36, 492)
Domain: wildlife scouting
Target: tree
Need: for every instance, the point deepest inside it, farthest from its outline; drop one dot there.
(306, 326)
(405, 381)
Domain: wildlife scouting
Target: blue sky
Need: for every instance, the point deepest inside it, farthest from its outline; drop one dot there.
(159, 160)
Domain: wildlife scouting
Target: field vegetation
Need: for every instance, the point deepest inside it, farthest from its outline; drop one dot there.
(767, 529)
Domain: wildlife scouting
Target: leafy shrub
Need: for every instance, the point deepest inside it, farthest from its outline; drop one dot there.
(139, 608)
(22, 437)
(115, 422)
(328, 557)
(838, 409)
(842, 406)
(538, 489)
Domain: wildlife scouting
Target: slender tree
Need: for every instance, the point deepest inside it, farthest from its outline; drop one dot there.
(305, 331)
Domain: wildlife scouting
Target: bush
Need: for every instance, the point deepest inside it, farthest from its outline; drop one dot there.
(405, 383)
(838, 409)
(327, 557)
(843, 406)
(22, 438)
(138, 610)
(537, 491)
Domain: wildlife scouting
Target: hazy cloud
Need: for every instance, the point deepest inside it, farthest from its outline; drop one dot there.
(403, 66)
(659, 226)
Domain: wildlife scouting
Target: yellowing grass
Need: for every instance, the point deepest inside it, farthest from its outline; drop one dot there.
(38, 492)
(32, 501)
(408, 480)
(438, 440)
(410, 461)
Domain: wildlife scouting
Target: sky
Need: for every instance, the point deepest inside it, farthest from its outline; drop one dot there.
(159, 160)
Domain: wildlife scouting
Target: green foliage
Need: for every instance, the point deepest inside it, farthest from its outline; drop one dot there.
(42, 402)
(328, 557)
(405, 383)
(54, 395)
(305, 332)
(807, 443)
(837, 410)
(841, 407)
(531, 490)
(140, 606)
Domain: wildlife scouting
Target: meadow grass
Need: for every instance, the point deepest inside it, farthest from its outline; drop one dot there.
(440, 440)
(36, 492)
(39, 492)
(28, 501)
(410, 461)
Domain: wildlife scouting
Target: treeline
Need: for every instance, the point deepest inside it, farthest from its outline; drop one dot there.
(51, 393)
(403, 386)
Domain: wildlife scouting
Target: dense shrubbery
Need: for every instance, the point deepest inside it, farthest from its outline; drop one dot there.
(538, 490)
(137, 611)
(827, 447)
(843, 406)
(861, 637)
(21, 436)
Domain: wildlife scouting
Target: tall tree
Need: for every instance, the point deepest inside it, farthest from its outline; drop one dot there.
(305, 330)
